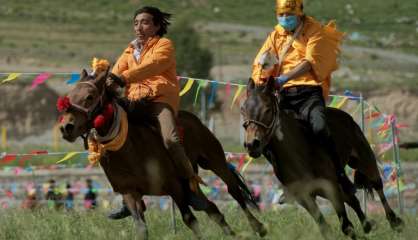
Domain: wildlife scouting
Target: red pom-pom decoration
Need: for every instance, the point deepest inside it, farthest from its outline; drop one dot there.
(63, 103)
(99, 121)
(108, 111)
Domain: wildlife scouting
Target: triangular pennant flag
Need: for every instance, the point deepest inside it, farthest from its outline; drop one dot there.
(74, 78)
(247, 164)
(9, 158)
(41, 78)
(237, 94)
(67, 157)
(202, 84)
(23, 159)
(214, 86)
(11, 77)
(228, 89)
(187, 87)
(342, 102)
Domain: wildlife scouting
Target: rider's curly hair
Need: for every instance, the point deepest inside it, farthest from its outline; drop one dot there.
(159, 18)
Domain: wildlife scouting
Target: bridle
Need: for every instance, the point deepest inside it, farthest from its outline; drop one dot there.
(95, 107)
(272, 125)
(90, 112)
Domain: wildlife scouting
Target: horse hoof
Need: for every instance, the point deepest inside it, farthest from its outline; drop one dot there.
(368, 225)
(228, 231)
(349, 231)
(262, 231)
(397, 224)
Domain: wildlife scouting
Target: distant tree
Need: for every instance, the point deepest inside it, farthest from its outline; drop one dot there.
(192, 59)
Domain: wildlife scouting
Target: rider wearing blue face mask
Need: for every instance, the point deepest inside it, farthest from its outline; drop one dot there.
(300, 54)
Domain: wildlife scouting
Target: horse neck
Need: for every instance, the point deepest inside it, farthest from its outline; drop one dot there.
(108, 125)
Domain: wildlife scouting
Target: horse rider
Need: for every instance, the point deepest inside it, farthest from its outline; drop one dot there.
(148, 68)
(301, 54)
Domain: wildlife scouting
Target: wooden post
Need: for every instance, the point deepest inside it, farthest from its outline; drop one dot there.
(173, 216)
(362, 126)
(397, 161)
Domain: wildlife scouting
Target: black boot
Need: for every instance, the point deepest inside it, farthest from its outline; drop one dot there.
(121, 213)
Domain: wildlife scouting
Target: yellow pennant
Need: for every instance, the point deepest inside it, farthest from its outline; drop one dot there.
(343, 101)
(237, 94)
(11, 77)
(3, 137)
(67, 157)
(246, 164)
(187, 87)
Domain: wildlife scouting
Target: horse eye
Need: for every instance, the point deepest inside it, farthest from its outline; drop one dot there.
(89, 98)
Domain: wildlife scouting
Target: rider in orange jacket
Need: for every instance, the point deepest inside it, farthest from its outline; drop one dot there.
(148, 68)
(300, 54)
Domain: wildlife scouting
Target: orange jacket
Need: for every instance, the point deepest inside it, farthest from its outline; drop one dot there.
(319, 45)
(154, 75)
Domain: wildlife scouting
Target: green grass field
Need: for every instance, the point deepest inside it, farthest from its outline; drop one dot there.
(289, 223)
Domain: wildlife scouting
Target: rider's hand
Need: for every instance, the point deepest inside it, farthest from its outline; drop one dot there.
(281, 80)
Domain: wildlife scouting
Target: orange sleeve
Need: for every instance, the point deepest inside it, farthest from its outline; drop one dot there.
(121, 64)
(266, 53)
(162, 58)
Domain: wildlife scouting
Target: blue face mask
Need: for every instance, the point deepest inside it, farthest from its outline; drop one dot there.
(288, 22)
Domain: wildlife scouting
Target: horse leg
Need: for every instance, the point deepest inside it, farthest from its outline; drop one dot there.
(395, 222)
(338, 203)
(213, 212)
(369, 178)
(134, 202)
(233, 182)
(179, 197)
(354, 203)
(310, 205)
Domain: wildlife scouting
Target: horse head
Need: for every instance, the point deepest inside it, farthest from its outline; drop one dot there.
(82, 104)
(260, 112)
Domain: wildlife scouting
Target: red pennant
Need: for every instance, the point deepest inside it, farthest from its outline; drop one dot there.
(23, 159)
(9, 158)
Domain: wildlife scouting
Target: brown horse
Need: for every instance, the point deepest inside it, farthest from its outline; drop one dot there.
(143, 166)
(302, 165)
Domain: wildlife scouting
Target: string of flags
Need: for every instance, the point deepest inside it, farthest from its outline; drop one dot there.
(376, 120)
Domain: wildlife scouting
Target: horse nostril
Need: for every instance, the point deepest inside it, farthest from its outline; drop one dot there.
(256, 143)
(68, 128)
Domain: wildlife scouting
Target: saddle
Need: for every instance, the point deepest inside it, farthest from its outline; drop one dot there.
(137, 115)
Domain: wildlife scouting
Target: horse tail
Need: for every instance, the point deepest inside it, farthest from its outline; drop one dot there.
(362, 181)
(249, 198)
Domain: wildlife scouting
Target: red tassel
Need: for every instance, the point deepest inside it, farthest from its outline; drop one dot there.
(99, 121)
(63, 103)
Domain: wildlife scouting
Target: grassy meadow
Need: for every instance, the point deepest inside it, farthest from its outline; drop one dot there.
(288, 223)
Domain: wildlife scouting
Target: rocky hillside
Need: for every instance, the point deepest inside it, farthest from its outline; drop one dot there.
(27, 113)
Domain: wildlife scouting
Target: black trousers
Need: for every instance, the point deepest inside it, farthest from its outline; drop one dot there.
(308, 104)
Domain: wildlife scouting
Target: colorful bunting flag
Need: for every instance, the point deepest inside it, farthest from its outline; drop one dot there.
(11, 77)
(187, 87)
(214, 86)
(237, 94)
(75, 77)
(41, 78)
(67, 157)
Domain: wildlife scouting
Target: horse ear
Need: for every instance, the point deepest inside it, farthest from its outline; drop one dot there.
(102, 75)
(269, 86)
(250, 84)
(83, 74)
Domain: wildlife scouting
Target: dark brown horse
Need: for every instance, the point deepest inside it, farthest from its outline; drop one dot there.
(143, 166)
(302, 165)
